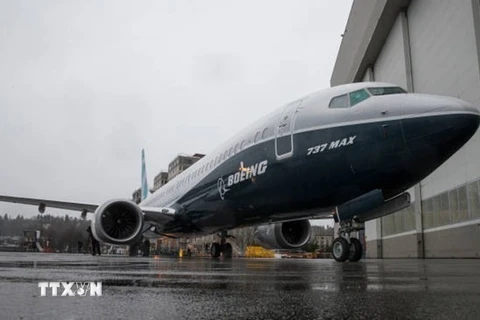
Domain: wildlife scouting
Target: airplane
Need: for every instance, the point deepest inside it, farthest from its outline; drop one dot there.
(347, 153)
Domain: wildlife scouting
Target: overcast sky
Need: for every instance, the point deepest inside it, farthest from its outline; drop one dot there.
(85, 85)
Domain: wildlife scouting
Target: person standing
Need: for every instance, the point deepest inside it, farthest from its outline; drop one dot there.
(146, 248)
(95, 243)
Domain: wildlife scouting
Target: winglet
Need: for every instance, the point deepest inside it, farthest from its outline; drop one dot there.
(145, 191)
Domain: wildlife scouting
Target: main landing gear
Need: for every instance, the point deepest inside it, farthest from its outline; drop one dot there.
(345, 247)
(223, 247)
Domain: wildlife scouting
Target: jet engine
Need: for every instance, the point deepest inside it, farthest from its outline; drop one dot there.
(284, 235)
(118, 222)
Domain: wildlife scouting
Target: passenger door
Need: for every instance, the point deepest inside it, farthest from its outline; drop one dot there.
(284, 131)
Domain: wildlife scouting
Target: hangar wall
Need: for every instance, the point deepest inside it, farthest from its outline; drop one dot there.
(426, 46)
(390, 64)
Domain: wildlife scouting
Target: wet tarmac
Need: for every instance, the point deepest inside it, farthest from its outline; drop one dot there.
(201, 288)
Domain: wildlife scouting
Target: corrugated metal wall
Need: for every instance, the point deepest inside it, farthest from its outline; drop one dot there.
(444, 57)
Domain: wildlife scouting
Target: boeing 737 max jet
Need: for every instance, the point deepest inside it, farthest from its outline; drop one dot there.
(347, 152)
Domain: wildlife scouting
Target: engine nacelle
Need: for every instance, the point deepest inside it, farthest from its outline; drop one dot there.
(284, 235)
(118, 222)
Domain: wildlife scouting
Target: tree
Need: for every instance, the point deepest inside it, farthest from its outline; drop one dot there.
(61, 230)
(311, 247)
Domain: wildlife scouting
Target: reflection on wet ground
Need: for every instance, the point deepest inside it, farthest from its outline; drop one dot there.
(201, 288)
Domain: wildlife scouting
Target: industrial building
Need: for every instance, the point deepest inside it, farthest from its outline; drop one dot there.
(323, 237)
(160, 180)
(176, 166)
(425, 46)
(137, 196)
(181, 163)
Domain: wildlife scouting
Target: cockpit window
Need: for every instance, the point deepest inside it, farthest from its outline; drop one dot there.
(358, 96)
(386, 90)
(339, 102)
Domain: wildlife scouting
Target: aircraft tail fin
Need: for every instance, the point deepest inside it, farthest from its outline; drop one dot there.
(144, 190)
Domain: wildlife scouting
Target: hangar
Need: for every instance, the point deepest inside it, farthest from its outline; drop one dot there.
(425, 46)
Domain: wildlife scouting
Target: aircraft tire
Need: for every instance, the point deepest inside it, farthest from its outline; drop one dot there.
(215, 250)
(355, 250)
(340, 249)
(227, 251)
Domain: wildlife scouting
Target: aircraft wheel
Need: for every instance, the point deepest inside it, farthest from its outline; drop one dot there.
(340, 249)
(356, 250)
(227, 250)
(215, 250)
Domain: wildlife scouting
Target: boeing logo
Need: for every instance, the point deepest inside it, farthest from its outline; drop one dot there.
(222, 189)
(244, 173)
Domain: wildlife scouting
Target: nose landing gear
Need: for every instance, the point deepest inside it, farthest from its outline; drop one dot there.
(345, 247)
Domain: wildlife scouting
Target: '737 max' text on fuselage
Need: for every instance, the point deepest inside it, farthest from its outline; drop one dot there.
(346, 152)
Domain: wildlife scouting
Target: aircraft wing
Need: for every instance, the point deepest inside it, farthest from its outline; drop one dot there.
(159, 216)
(151, 213)
(82, 207)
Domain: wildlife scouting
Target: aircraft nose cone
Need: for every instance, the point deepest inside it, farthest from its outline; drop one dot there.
(466, 122)
(435, 116)
(435, 135)
(454, 104)
(466, 125)
(468, 107)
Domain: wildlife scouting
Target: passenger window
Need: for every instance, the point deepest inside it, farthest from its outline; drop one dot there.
(264, 133)
(257, 137)
(339, 102)
(242, 145)
(225, 155)
(236, 148)
(358, 96)
(230, 153)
